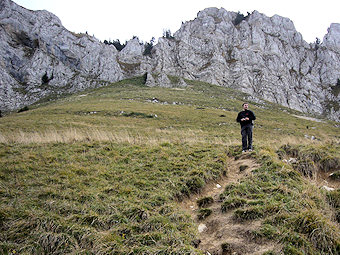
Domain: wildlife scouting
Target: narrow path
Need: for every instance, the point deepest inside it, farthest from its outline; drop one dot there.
(221, 228)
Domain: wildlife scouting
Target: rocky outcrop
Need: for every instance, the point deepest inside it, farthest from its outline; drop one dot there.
(260, 55)
(38, 57)
(263, 56)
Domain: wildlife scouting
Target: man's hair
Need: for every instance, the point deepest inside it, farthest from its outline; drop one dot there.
(244, 103)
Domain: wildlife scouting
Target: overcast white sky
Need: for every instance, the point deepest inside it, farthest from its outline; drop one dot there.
(123, 19)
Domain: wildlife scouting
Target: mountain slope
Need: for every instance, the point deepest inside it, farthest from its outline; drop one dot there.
(256, 54)
(103, 172)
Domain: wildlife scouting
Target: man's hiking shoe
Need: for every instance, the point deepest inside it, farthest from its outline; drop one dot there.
(244, 151)
(250, 150)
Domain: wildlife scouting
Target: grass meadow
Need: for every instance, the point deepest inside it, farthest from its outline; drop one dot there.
(102, 171)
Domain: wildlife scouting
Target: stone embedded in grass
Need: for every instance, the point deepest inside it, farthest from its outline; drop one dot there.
(201, 227)
(327, 188)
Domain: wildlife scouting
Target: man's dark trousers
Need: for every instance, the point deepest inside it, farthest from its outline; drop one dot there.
(247, 136)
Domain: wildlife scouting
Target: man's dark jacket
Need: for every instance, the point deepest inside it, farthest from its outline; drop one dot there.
(244, 114)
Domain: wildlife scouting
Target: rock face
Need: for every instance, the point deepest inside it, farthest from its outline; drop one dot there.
(260, 55)
(38, 56)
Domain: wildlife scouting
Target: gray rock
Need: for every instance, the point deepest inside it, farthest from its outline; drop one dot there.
(263, 56)
(39, 57)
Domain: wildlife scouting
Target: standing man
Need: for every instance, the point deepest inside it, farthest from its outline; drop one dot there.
(246, 118)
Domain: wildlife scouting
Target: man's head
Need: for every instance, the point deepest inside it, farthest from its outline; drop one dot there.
(245, 106)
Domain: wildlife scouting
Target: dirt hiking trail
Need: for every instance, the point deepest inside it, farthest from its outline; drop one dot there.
(220, 233)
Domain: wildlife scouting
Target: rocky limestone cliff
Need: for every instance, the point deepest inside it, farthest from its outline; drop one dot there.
(260, 55)
(39, 57)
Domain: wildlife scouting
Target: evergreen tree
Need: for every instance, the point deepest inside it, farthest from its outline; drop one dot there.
(148, 47)
(167, 34)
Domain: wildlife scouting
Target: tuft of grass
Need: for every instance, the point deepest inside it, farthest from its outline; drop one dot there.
(249, 213)
(243, 167)
(205, 201)
(204, 213)
(232, 203)
(322, 234)
(312, 158)
(333, 198)
(227, 248)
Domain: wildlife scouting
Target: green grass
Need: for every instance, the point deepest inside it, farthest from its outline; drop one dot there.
(297, 214)
(101, 197)
(102, 171)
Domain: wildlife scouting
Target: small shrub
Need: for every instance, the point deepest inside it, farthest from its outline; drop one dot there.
(116, 43)
(226, 248)
(205, 201)
(234, 202)
(24, 109)
(329, 163)
(195, 183)
(306, 166)
(137, 114)
(167, 34)
(288, 149)
(204, 213)
(239, 18)
(249, 213)
(336, 88)
(269, 253)
(267, 231)
(290, 250)
(234, 151)
(148, 47)
(243, 167)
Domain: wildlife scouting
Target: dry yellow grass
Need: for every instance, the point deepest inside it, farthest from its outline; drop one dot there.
(92, 134)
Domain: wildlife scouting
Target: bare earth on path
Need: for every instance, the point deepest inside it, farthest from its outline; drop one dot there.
(221, 228)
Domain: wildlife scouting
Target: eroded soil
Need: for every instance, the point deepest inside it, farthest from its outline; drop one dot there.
(221, 229)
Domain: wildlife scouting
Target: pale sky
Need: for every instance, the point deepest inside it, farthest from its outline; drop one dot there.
(123, 19)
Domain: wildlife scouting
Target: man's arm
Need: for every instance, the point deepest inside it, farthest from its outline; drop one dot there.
(238, 119)
(252, 117)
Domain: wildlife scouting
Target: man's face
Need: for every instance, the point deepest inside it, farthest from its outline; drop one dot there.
(245, 106)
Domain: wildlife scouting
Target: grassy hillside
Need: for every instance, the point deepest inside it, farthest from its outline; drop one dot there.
(102, 172)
